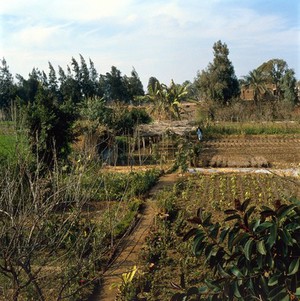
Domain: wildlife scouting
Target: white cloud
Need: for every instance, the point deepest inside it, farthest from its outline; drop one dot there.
(70, 10)
(34, 36)
(163, 38)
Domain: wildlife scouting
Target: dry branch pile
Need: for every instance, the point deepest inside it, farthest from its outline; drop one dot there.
(180, 128)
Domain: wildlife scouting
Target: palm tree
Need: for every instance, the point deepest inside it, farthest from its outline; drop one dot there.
(257, 82)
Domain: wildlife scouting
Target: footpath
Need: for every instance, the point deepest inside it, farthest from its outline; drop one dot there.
(127, 257)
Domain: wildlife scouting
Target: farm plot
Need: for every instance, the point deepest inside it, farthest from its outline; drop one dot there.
(278, 151)
(168, 261)
(218, 191)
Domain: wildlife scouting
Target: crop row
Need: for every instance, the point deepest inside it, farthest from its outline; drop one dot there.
(218, 191)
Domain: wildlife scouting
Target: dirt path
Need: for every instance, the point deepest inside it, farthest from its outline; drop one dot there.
(132, 245)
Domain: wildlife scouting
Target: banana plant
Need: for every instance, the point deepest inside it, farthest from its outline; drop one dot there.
(166, 100)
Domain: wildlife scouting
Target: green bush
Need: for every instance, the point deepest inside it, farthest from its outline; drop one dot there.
(255, 258)
(118, 186)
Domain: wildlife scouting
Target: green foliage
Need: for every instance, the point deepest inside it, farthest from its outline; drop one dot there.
(254, 258)
(129, 218)
(218, 82)
(124, 120)
(118, 117)
(117, 186)
(215, 130)
(288, 85)
(258, 83)
(186, 155)
(50, 127)
(7, 87)
(113, 86)
(166, 100)
(96, 111)
(7, 145)
(273, 74)
(13, 143)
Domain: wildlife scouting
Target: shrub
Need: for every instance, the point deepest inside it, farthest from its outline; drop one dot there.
(256, 258)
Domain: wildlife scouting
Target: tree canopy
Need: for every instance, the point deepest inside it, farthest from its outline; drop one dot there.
(273, 80)
(218, 82)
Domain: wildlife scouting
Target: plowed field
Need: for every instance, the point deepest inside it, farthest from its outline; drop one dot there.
(252, 151)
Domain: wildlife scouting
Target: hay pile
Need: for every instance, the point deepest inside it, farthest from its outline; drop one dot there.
(238, 161)
(180, 128)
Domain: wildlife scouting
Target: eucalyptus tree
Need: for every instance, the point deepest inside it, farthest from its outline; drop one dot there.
(86, 83)
(218, 82)
(70, 83)
(7, 87)
(94, 78)
(133, 85)
(53, 82)
(27, 88)
(114, 86)
(288, 86)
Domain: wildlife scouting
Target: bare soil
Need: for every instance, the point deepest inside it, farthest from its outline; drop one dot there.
(251, 151)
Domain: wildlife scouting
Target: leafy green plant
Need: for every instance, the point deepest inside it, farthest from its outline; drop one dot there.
(255, 258)
(117, 186)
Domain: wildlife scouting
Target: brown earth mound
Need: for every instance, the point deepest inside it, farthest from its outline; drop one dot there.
(238, 161)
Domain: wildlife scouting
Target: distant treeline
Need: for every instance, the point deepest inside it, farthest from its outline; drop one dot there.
(81, 80)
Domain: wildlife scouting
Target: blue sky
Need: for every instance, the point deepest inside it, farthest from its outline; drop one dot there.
(168, 39)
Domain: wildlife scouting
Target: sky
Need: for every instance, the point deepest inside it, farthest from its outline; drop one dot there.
(167, 39)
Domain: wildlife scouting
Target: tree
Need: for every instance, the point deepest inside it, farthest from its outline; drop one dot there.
(50, 127)
(114, 86)
(85, 81)
(93, 74)
(277, 72)
(273, 70)
(134, 85)
(7, 87)
(27, 89)
(70, 86)
(288, 86)
(258, 83)
(256, 258)
(218, 82)
(52, 81)
(151, 84)
(166, 100)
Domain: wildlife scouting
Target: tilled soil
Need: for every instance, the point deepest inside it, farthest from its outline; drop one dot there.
(251, 151)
